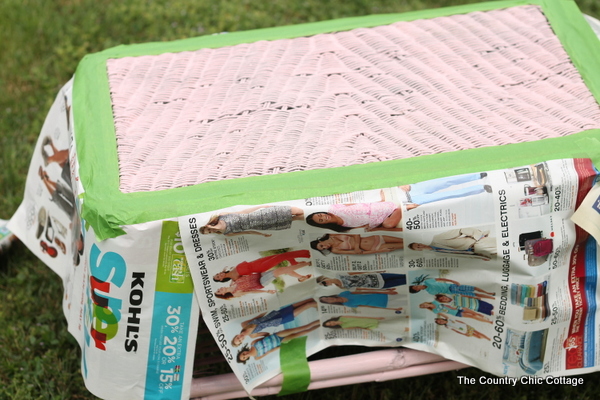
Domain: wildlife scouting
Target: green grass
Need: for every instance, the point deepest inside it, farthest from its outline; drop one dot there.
(41, 43)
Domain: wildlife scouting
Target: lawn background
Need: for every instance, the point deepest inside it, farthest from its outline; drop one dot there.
(41, 43)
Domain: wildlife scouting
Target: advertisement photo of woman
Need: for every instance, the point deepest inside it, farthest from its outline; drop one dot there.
(253, 220)
(339, 243)
(379, 216)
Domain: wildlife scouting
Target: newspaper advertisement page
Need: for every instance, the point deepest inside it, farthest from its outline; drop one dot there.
(484, 268)
(46, 221)
(504, 274)
(130, 307)
(137, 318)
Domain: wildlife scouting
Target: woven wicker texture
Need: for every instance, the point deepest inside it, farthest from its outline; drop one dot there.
(330, 100)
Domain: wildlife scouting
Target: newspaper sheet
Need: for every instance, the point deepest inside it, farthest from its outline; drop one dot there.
(129, 301)
(485, 268)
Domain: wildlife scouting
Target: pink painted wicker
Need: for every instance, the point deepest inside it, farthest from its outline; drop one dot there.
(330, 100)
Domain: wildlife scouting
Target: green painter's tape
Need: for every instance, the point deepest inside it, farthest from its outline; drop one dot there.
(294, 366)
(107, 209)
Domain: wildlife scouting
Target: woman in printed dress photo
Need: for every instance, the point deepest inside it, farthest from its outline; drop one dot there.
(340, 243)
(254, 327)
(376, 216)
(353, 322)
(461, 301)
(246, 284)
(365, 280)
(437, 308)
(448, 286)
(459, 327)
(269, 343)
(268, 264)
(252, 220)
(379, 299)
